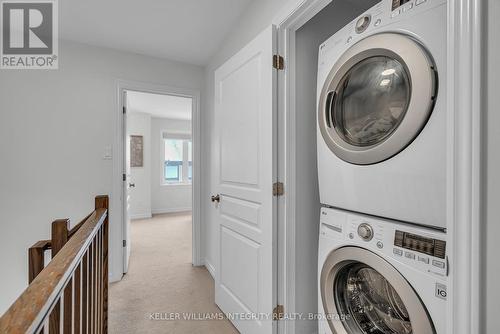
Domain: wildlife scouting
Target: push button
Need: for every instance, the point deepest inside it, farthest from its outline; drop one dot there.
(397, 252)
(409, 255)
(395, 13)
(423, 259)
(408, 7)
(439, 264)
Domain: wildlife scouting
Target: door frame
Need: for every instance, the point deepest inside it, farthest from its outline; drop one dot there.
(465, 162)
(117, 202)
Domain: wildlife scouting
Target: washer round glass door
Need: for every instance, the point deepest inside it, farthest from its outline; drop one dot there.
(369, 296)
(377, 98)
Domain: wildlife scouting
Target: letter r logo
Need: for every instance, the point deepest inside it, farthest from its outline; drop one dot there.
(27, 28)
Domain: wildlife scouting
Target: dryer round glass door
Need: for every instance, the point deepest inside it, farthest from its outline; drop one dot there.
(377, 98)
(368, 295)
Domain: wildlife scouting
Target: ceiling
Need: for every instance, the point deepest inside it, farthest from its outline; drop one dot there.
(164, 106)
(190, 31)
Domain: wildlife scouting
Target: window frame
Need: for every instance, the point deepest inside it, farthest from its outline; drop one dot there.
(186, 139)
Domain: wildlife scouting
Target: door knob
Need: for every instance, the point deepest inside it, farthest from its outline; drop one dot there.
(131, 185)
(216, 198)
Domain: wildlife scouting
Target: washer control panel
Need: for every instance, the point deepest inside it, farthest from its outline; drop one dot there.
(419, 247)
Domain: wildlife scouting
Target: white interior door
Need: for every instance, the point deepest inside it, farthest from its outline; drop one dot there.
(126, 190)
(245, 123)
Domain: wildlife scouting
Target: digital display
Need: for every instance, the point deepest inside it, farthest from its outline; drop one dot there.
(417, 243)
(398, 3)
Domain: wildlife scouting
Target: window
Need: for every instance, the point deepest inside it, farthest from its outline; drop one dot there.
(177, 161)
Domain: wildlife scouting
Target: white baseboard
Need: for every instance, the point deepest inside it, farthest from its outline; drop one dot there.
(170, 210)
(145, 215)
(210, 268)
(114, 278)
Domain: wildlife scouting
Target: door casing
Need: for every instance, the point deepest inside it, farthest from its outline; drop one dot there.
(117, 201)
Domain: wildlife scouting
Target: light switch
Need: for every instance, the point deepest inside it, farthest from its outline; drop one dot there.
(108, 153)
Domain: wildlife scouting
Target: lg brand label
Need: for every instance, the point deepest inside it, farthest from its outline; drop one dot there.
(441, 291)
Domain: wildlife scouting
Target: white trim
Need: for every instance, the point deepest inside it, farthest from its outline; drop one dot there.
(210, 268)
(465, 78)
(140, 216)
(170, 210)
(465, 52)
(176, 135)
(297, 13)
(118, 169)
(176, 184)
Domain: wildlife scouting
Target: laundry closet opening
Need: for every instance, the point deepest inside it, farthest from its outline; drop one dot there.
(301, 140)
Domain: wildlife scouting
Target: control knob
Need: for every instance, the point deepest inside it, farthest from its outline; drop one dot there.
(363, 23)
(365, 231)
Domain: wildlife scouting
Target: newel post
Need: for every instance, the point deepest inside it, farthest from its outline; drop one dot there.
(36, 258)
(102, 202)
(60, 235)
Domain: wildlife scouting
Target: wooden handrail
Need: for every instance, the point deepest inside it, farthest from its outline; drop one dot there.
(69, 295)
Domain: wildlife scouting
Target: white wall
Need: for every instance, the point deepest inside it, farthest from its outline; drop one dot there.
(172, 197)
(139, 124)
(491, 246)
(53, 128)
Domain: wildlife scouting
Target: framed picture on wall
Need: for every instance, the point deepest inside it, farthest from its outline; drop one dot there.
(136, 151)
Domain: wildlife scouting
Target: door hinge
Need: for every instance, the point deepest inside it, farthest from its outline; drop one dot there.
(278, 189)
(124, 243)
(124, 177)
(278, 62)
(124, 110)
(278, 312)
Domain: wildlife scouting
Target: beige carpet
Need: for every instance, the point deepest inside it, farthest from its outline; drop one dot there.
(162, 280)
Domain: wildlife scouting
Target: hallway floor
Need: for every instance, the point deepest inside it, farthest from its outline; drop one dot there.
(162, 280)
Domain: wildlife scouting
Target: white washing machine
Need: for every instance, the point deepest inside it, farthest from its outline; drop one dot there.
(380, 277)
(382, 118)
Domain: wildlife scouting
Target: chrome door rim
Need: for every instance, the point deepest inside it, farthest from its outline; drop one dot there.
(423, 83)
(338, 259)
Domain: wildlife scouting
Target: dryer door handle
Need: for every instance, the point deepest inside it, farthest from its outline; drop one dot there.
(330, 99)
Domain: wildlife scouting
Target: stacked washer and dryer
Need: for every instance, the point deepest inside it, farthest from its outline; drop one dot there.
(382, 148)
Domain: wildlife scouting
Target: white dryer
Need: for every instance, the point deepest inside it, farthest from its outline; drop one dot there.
(382, 117)
(380, 277)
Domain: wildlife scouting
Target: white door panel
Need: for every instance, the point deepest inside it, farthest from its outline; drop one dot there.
(245, 119)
